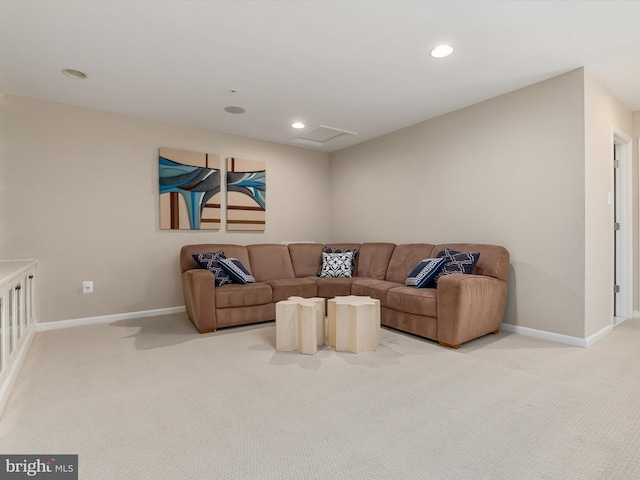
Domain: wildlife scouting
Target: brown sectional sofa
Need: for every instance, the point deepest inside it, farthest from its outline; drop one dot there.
(461, 308)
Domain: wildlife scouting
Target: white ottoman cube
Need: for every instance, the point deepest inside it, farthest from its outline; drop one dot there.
(300, 325)
(353, 323)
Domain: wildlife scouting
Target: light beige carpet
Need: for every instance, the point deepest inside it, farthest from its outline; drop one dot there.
(152, 399)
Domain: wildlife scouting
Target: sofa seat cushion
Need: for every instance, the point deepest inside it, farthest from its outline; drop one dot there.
(418, 301)
(292, 287)
(333, 287)
(238, 295)
(371, 287)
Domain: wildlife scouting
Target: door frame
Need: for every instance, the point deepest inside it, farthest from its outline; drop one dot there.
(624, 257)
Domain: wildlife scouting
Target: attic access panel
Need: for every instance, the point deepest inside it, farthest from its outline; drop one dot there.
(321, 134)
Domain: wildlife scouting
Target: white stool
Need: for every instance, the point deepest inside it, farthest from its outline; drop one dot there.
(300, 325)
(353, 323)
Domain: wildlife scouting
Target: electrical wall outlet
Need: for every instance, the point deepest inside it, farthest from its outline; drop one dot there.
(87, 287)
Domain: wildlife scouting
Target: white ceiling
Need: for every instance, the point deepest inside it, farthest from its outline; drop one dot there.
(361, 66)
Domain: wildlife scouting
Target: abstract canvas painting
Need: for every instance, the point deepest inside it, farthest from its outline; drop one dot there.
(189, 190)
(246, 194)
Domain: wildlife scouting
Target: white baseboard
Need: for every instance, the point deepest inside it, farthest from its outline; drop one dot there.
(76, 322)
(599, 335)
(618, 320)
(558, 337)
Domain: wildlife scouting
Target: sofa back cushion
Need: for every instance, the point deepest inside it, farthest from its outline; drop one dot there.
(373, 260)
(231, 251)
(306, 259)
(493, 261)
(404, 259)
(270, 261)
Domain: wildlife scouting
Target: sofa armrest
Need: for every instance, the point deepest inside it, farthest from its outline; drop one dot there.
(469, 306)
(200, 299)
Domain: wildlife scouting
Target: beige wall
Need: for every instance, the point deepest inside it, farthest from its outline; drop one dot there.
(79, 190)
(602, 113)
(509, 171)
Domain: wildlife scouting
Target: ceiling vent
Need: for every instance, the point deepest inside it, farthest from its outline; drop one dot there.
(320, 135)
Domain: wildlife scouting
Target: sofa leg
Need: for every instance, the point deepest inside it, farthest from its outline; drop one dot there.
(496, 332)
(210, 330)
(448, 345)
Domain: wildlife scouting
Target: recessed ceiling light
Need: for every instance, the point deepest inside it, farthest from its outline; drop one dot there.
(442, 51)
(232, 109)
(70, 72)
(297, 125)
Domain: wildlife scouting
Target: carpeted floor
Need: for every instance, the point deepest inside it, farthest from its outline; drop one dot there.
(151, 399)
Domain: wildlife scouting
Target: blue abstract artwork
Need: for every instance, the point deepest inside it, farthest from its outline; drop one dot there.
(189, 190)
(246, 195)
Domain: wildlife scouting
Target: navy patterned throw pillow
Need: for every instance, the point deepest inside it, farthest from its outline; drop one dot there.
(336, 265)
(237, 271)
(353, 251)
(424, 271)
(457, 262)
(211, 261)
